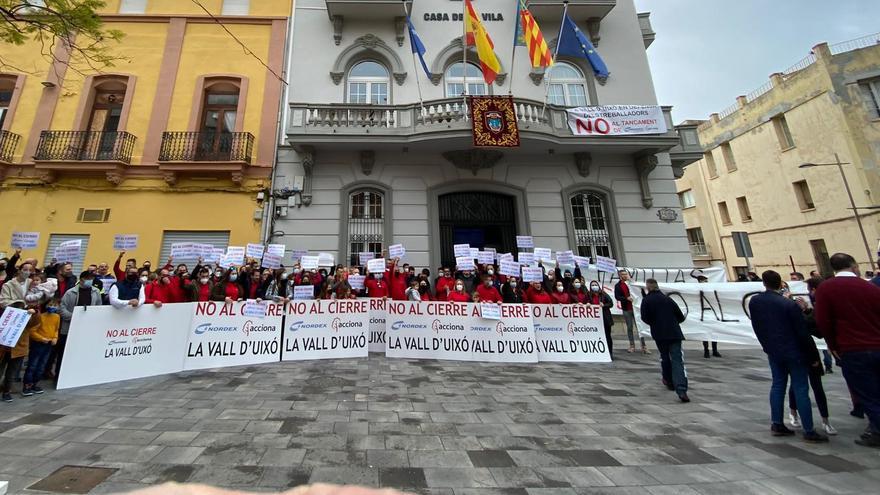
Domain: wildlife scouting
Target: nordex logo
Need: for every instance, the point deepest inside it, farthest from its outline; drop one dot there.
(250, 326)
(437, 326)
(301, 325)
(501, 328)
(207, 327)
(400, 325)
(337, 324)
(573, 329)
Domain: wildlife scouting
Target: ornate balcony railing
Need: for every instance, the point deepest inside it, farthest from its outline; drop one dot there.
(85, 146)
(8, 144)
(207, 147)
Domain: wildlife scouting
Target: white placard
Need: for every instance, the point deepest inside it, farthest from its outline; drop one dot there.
(510, 268)
(68, 250)
(543, 254)
(125, 242)
(222, 335)
(325, 259)
(304, 292)
(485, 257)
(526, 258)
(356, 282)
(297, 254)
(363, 258)
(376, 265)
(532, 274)
(570, 333)
(607, 265)
(216, 256)
(490, 311)
(206, 250)
(506, 257)
(309, 262)
(326, 329)
(255, 309)
(396, 251)
(25, 240)
(582, 261)
(182, 250)
(616, 120)
(565, 258)
(464, 263)
(235, 255)
(276, 249)
(474, 252)
(271, 260)
(255, 251)
(12, 324)
(525, 242)
(460, 250)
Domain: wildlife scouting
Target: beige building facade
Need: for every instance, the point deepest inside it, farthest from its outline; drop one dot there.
(751, 177)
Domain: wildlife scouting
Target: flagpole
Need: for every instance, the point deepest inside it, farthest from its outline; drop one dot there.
(555, 53)
(516, 29)
(415, 67)
(465, 17)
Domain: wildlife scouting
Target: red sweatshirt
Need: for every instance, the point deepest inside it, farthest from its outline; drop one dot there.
(488, 294)
(157, 291)
(848, 314)
(456, 296)
(533, 296)
(442, 284)
(561, 298)
(397, 281)
(204, 292)
(376, 287)
(581, 297)
(232, 291)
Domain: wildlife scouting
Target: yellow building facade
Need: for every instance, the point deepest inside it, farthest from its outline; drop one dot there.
(769, 167)
(175, 141)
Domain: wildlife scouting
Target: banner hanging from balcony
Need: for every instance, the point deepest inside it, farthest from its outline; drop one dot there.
(616, 120)
(494, 121)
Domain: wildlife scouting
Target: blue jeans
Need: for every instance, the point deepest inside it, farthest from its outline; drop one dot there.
(37, 359)
(826, 358)
(862, 372)
(781, 369)
(672, 364)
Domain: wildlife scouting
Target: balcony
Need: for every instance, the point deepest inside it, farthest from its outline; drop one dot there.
(440, 125)
(8, 144)
(205, 152)
(369, 9)
(699, 250)
(648, 33)
(579, 10)
(688, 149)
(85, 146)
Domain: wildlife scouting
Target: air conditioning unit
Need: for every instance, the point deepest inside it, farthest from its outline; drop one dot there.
(87, 215)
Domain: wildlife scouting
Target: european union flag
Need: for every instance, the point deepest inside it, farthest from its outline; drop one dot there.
(573, 43)
(417, 46)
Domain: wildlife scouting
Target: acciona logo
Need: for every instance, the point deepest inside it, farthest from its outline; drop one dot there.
(250, 326)
(438, 327)
(209, 328)
(501, 328)
(573, 329)
(337, 324)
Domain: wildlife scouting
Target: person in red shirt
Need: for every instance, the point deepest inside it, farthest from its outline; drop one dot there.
(579, 294)
(376, 286)
(161, 291)
(458, 294)
(129, 263)
(560, 295)
(445, 283)
(536, 294)
(487, 290)
(200, 289)
(227, 289)
(396, 276)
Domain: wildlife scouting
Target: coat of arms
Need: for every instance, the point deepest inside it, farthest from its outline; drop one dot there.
(494, 121)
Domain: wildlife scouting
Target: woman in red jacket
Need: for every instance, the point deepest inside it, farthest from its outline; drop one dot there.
(227, 289)
(458, 295)
(579, 293)
(161, 291)
(536, 294)
(560, 295)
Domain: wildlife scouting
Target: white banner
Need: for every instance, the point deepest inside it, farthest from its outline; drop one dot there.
(326, 329)
(525, 242)
(220, 335)
(125, 242)
(616, 120)
(12, 323)
(254, 251)
(25, 240)
(378, 314)
(396, 251)
(571, 333)
(442, 330)
(276, 249)
(68, 250)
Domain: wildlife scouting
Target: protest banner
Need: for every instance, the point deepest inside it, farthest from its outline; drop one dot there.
(506, 257)
(461, 250)
(616, 120)
(255, 309)
(456, 331)
(378, 314)
(525, 242)
(235, 255)
(376, 265)
(106, 344)
(565, 258)
(526, 258)
(396, 251)
(68, 250)
(216, 256)
(271, 260)
(297, 254)
(276, 249)
(220, 335)
(474, 252)
(485, 257)
(356, 282)
(509, 268)
(493, 251)
(309, 262)
(25, 240)
(326, 259)
(572, 333)
(255, 251)
(205, 250)
(532, 274)
(301, 292)
(543, 254)
(12, 323)
(182, 250)
(125, 242)
(583, 262)
(363, 258)
(464, 263)
(607, 265)
(326, 329)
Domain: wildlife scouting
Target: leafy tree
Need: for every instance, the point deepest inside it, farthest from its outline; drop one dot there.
(73, 25)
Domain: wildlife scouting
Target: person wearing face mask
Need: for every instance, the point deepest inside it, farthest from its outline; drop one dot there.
(396, 276)
(470, 281)
(487, 290)
(129, 292)
(83, 294)
(424, 290)
(160, 291)
(277, 286)
(44, 336)
(598, 297)
(66, 279)
(129, 263)
(11, 358)
(511, 291)
(579, 293)
(560, 295)
(536, 294)
(17, 288)
(444, 284)
(459, 294)
(375, 285)
(227, 289)
(551, 276)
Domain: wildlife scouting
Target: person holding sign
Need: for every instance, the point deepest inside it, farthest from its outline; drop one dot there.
(511, 291)
(443, 284)
(488, 292)
(375, 283)
(11, 358)
(278, 289)
(397, 280)
(129, 292)
(227, 289)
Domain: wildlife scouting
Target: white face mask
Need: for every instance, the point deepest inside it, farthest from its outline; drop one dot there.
(296, 271)
(144, 279)
(559, 288)
(459, 287)
(577, 285)
(491, 272)
(204, 281)
(233, 278)
(513, 284)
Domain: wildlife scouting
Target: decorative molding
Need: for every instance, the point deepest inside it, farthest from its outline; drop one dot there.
(170, 178)
(593, 25)
(307, 155)
(537, 75)
(474, 159)
(368, 45)
(337, 28)
(400, 29)
(667, 215)
(583, 160)
(368, 160)
(451, 52)
(237, 178)
(645, 164)
(436, 78)
(47, 176)
(601, 80)
(115, 177)
(500, 78)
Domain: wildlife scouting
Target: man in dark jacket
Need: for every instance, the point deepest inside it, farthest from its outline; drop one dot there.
(664, 317)
(782, 331)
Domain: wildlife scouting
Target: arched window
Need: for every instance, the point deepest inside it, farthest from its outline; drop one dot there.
(591, 232)
(366, 223)
(567, 86)
(456, 78)
(368, 83)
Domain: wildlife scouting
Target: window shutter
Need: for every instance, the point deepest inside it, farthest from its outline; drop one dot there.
(132, 6)
(235, 7)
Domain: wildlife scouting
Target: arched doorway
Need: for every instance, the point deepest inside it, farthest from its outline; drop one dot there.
(481, 219)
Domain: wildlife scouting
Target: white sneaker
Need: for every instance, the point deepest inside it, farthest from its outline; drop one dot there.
(830, 429)
(794, 421)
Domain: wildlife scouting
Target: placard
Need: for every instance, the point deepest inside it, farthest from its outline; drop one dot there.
(221, 335)
(326, 329)
(68, 250)
(309, 262)
(235, 255)
(376, 265)
(485, 257)
(565, 258)
(356, 282)
(607, 265)
(12, 324)
(543, 254)
(276, 249)
(304, 292)
(125, 242)
(205, 250)
(463, 263)
(490, 311)
(570, 333)
(506, 257)
(532, 274)
(582, 261)
(182, 250)
(326, 259)
(526, 258)
(378, 333)
(525, 242)
(297, 254)
(396, 251)
(474, 252)
(363, 258)
(271, 260)
(510, 268)
(25, 240)
(255, 309)
(255, 251)
(216, 256)
(460, 250)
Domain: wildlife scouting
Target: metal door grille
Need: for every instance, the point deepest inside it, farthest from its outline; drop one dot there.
(366, 224)
(591, 225)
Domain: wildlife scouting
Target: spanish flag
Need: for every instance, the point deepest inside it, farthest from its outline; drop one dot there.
(476, 35)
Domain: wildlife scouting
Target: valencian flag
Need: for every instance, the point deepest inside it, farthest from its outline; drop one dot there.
(417, 46)
(528, 34)
(476, 35)
(494, 121)
(573, 43)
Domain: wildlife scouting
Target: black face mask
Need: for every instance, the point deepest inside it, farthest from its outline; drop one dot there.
(132, 277)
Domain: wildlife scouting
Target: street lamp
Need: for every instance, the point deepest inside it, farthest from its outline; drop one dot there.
(837, 163)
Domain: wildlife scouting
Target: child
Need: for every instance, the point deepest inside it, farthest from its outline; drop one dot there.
(44, 336)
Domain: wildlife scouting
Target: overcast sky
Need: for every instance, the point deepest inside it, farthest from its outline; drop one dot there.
(709, 51)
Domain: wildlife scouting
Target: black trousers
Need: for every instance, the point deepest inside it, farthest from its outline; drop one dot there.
(9, 366)
(818, 392)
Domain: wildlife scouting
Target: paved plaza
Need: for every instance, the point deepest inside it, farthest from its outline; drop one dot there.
(439, 427)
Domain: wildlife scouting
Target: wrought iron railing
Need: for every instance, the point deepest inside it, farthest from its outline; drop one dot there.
(207, 147)
(85, 146)
(8, 144)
